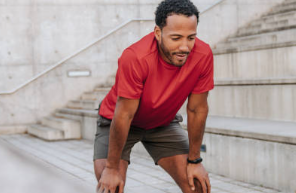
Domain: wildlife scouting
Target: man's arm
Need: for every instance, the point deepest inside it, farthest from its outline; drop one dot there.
(120, 125)
(197, 111)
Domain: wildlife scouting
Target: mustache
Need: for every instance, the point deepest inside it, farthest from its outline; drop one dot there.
(175, 53)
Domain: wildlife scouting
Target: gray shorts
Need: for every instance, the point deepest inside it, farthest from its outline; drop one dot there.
(160, 142)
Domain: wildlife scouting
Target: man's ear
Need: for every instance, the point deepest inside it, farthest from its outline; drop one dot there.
(157, 32)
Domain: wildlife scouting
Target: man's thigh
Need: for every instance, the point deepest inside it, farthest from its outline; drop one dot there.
(101, 143)
(176, 166)
(166, 141)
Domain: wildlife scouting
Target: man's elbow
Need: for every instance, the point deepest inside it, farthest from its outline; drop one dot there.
(203, 108)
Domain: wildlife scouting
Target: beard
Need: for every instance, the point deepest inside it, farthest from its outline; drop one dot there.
(170, 55)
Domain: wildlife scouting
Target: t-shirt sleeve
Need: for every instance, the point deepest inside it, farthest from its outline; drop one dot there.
(205, 81)
(130, 76)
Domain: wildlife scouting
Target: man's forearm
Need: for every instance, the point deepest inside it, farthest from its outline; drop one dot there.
(118, 134)
(196, 126)
(120, 125)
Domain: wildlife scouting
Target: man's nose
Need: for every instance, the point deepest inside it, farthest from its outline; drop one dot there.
(184, 46)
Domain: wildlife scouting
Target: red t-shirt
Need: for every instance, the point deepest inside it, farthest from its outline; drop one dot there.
(162, 88)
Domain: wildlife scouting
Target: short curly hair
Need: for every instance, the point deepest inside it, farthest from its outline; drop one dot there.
(170, 7)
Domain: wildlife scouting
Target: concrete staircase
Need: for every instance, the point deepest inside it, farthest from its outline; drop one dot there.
(251, 130)
(275, 27)
(255, 70)
(68, 122)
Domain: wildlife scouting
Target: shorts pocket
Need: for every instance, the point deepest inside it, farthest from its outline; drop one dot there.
(103, 122)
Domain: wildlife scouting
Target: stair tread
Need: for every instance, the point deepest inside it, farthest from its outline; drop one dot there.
(279, 131)
(58, 119)
(45, 128)
(42, 131)
(83, 101)
(243, 48)
(259, 39)
(260, 35)
(80, 112)
(247, 31)
(102, 89)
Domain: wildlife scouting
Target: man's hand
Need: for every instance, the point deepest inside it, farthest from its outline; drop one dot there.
(109, 181)
(197, 171)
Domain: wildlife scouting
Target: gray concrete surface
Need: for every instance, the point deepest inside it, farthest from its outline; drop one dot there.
(261, 152)
(66, 166)
(56, 28)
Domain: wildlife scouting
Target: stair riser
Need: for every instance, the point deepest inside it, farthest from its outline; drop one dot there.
(68, 116)
(276, 62)
(275, 18)
(47, 135)
(266, 27)
(72, 130)
(264, 39)
(78, 113)
(284, 8)
(94, 96)
(289, 1)
(273, 102)
(83, 105)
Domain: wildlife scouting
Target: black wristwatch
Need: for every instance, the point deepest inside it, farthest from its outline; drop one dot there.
(196, 161)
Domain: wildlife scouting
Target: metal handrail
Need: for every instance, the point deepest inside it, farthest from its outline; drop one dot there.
(86, 47)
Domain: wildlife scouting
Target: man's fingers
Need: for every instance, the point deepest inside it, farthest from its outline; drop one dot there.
(113, 190)
(97, 189)
(208, 185)
(204, 186)
(100, 190)
(106, 190)
(191, 183)
(121, 186)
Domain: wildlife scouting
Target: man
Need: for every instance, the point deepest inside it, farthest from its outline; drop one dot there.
(155, 76)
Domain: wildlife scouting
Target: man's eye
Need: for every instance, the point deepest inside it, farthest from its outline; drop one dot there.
(191, 38)
(175, 39)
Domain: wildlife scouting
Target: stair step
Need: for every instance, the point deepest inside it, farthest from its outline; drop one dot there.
(275, 18)
(83, 104)
(78, 112)
(260, 39)
(99, 94)
(270, 130)
(46, 132)
(68, 116)
(102, 89)
(268, 27)
(283, 8)
(289, 1)
(71, 128)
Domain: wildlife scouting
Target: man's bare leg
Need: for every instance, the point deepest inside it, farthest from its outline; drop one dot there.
(176, 166)
(100, 164)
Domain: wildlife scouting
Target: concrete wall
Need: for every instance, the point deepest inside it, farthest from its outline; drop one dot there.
(40, 28)
(269, 164)
(36, 34)
(53, 90)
